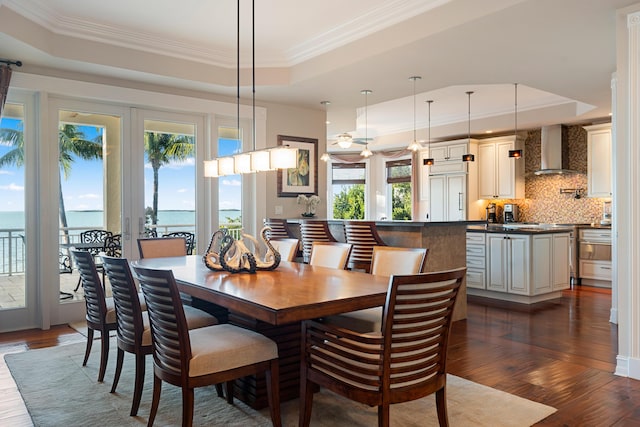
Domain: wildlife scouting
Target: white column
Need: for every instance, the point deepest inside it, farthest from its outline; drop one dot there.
(626, 221)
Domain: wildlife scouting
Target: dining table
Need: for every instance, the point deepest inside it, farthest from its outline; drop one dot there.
(274, 303)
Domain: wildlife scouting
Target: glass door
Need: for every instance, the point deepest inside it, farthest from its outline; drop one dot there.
(167, 167)
(17, 287)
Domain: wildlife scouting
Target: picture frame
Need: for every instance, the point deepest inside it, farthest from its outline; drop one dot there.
(304, 178)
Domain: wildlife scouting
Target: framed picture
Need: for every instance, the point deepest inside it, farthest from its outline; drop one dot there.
(302, 179)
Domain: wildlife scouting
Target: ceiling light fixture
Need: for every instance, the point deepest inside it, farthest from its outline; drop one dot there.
(366, 152)
(469, 157)
(283, 157)
(429, 161)
(345, 140)
(415, 145)
(516, 154)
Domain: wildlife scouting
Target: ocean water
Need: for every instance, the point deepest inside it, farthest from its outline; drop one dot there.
(93, 219)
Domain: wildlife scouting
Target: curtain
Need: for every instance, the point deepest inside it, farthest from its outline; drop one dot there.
(5, 78)
(357, 158)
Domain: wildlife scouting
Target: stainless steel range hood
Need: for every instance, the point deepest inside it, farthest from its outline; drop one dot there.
(554, 158)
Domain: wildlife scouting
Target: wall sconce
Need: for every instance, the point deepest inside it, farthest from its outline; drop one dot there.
(516, 154)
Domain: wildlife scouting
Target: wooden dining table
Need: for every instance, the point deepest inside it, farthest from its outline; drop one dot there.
(274, 303)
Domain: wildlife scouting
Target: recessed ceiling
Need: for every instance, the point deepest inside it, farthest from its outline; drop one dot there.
(562, 54)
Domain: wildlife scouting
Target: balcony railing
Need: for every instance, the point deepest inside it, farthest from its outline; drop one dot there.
(13, 248)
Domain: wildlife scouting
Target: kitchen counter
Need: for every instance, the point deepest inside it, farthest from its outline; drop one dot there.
(520, 228)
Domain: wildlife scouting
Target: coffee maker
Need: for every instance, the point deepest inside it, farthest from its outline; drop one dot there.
(491, 213)
(510, 213)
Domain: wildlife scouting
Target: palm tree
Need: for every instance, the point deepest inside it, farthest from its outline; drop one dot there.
(162, 148)
(72, 143)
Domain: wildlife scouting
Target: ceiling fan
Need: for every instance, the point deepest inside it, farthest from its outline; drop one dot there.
(345, 140)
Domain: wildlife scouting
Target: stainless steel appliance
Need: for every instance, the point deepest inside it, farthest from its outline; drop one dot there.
(606, 213)
(510, 213)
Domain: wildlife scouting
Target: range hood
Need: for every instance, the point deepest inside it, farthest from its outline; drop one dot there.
(554, 152)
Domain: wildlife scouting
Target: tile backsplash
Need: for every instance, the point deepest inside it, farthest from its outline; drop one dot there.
(544, 201)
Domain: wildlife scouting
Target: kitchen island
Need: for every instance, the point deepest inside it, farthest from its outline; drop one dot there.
(446, 242)
(524, 263)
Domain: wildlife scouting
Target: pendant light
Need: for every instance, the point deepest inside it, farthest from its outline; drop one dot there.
(325, 156)
(516, 154)
(469, 157)
(366, 152)
(282, 157)
(429, 161)
(415, 145)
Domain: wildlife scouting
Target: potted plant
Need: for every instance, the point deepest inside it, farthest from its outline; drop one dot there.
(310, 203)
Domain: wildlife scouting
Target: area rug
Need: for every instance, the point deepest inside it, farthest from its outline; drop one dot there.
(58, 391)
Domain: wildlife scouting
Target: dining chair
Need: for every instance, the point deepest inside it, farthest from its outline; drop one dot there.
(313, 231)
(279, 228)
(330, 254)
(385, 261)
(204, 356)
(363, 235)
(134, 334)
(406, 361)
(288, 248)
(158, 247)
(189, 237)
(100, 311)
(97, 237)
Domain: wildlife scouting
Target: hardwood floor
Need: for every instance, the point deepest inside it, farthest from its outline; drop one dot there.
(559, 353)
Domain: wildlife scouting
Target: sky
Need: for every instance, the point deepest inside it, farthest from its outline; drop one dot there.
(83, 190)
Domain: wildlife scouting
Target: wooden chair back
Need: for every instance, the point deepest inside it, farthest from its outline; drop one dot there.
(190, 239)
(313, 231)
(126, 301)
(279, 228)
(159, 247)
(406, 362)
(390, 260)
(94, 296)
(330, 254)
(363, 235)
(288, 248)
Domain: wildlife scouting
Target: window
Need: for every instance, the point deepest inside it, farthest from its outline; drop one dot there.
(399, 188)
(230, 186)
(348, 190)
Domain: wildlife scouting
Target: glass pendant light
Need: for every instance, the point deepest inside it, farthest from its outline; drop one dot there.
(415, 145)
(469, 157)
(366, 152)
(429, 161)
(516, 154)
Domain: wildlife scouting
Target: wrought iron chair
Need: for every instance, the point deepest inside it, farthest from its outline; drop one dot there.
(203, 356)
(98, 238)
(406, 362)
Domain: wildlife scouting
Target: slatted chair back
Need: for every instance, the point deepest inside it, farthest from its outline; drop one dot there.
(363, 235)
(279, 228)
(190, 239)
(330, 254)
(159, 247)
(390, 260)
(406, 362)
(313, 231)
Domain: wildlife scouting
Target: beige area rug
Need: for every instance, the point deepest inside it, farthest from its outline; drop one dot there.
(58, 391)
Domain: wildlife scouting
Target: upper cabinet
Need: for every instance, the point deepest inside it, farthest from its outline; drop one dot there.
(447, 157)
(500, 176)
(599, 160)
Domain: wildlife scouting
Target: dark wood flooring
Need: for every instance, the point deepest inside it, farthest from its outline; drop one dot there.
(559, 353)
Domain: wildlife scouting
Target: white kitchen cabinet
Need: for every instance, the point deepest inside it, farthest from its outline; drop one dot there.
(599, 155)
(476, 260)
(499, 176)
(447, 156)
(550, 268)
(508, 263)
(448, 197)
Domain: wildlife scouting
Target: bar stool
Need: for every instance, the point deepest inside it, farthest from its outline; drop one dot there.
(363, 235)
(313, 231)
